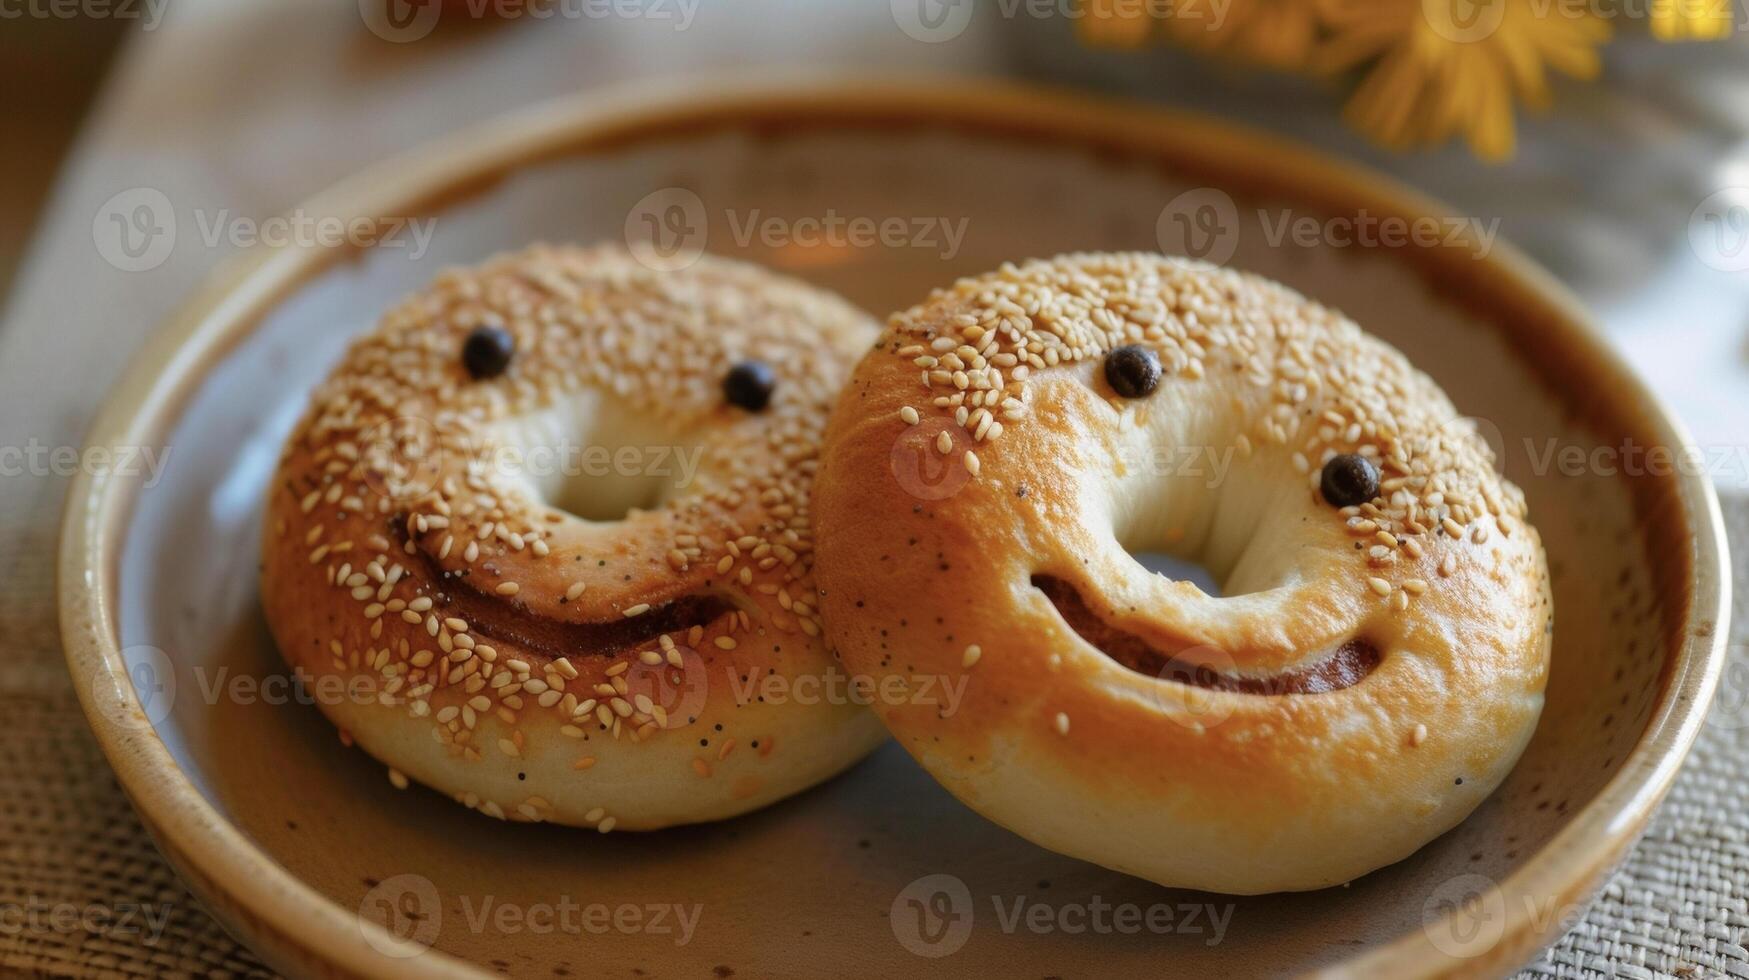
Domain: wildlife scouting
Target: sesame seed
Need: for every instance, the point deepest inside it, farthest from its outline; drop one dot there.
(970, 657)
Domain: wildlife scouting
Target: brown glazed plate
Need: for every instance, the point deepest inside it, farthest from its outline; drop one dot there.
(305, 850)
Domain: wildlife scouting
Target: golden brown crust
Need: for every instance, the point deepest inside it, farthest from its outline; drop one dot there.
(533, 664)
(939, 527)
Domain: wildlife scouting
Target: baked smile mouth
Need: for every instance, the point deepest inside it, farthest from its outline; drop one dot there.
(509, 621)
(1346, 666)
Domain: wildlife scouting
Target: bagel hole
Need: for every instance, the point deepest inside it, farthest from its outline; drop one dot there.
(595, 458)
(1222, 543)
(1178, 569)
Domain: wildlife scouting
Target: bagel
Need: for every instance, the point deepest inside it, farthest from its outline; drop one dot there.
(581, 641)
(1373, 668)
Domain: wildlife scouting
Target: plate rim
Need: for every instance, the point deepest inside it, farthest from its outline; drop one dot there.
(291, 924)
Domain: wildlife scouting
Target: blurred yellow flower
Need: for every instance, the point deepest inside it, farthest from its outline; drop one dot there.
(1440, 68)
(1429, 70)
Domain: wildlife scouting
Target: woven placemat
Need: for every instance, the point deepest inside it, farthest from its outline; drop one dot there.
(84, 894)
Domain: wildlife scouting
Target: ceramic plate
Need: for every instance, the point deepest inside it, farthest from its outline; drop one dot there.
(880, 191)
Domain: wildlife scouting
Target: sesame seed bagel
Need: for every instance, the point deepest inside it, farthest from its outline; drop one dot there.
(423, 542)
(1375, 666)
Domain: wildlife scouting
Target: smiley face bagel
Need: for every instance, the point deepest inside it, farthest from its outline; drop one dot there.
(1373, 668)
(545, 535)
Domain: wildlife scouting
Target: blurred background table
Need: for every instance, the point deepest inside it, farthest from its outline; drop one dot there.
(251, 107)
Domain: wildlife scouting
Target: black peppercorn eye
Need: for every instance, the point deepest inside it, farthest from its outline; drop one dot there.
(1349, 480)
(1133, 371)
(749, 385)
(486, 353)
